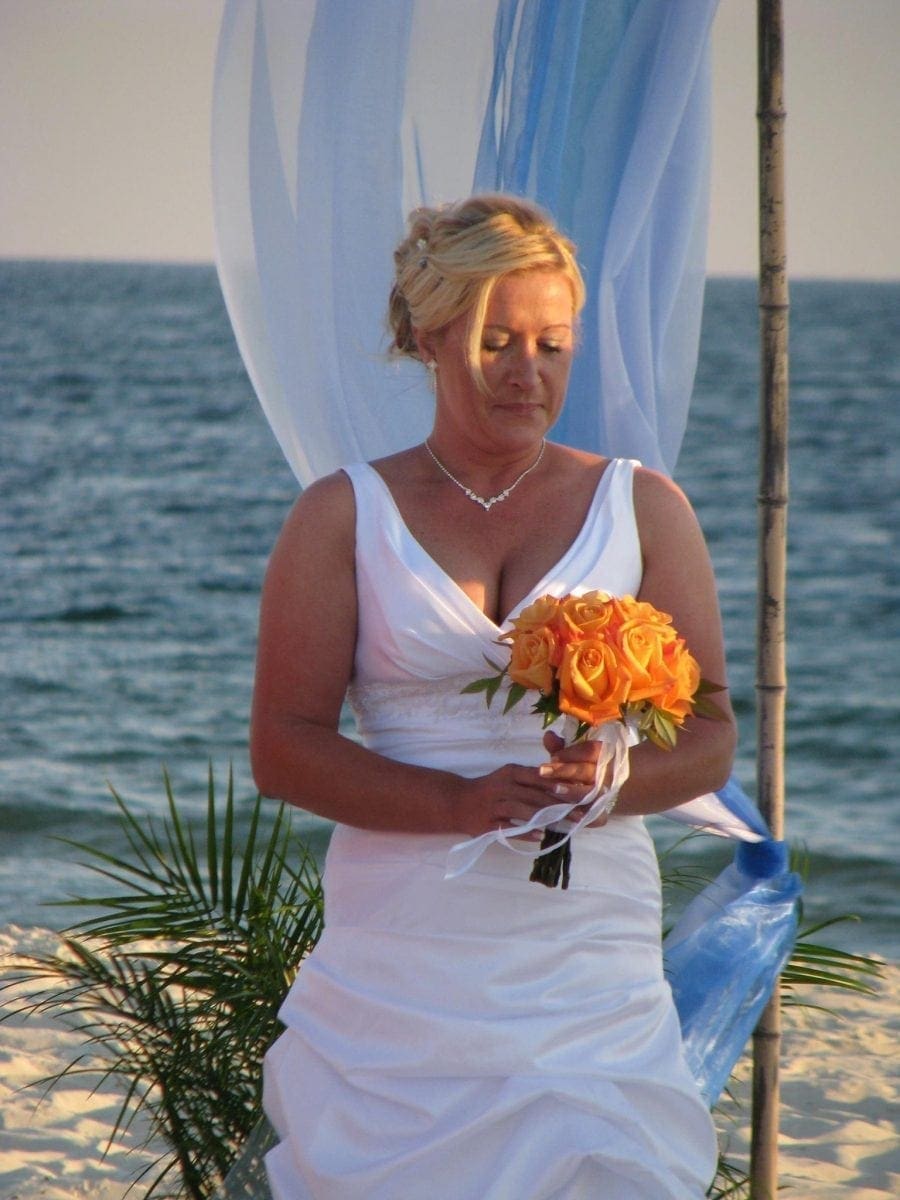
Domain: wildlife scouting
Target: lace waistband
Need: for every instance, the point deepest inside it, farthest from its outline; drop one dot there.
(431, 723)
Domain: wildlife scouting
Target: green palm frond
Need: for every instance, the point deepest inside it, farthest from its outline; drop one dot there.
(175, 986)
(813, 963)
(730, 1183)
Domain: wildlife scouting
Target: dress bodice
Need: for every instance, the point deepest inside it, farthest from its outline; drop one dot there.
(421, 639)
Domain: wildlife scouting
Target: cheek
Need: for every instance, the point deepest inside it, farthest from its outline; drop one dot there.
(558, 375)
(494, 373)
(458, 382)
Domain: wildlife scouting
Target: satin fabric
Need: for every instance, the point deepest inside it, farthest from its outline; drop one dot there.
(482, 1037)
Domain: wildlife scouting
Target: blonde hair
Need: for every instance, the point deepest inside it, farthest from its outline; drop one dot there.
(452, 257)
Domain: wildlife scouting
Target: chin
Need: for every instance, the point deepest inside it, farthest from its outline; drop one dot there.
(533, 417)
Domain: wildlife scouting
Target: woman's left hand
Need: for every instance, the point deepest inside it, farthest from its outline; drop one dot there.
(575, 766)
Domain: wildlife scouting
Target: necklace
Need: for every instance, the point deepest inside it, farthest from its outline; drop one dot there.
(487, 503)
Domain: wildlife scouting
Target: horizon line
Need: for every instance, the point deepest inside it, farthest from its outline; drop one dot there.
(142, 261)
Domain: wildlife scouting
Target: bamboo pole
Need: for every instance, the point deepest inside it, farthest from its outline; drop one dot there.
(773, 496)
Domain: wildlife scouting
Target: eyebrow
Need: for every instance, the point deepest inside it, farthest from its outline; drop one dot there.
(544, 329)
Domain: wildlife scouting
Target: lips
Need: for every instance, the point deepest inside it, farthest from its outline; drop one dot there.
(520, 407)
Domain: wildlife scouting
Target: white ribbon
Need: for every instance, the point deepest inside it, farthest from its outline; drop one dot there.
(616, 739)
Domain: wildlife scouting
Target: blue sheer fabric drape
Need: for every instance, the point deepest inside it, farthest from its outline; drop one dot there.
(331, 119)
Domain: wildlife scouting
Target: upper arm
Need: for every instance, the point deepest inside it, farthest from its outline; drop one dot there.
(307, 628)
(678, 575)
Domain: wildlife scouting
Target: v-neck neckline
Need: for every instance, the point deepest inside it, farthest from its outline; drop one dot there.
(541, 584)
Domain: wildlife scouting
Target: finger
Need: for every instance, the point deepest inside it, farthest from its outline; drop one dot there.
(570, 793)
(543, 783)
(586, 751)
(534, 835)
(521, 805)
(601, 820)
(571, 772)
(553, 742)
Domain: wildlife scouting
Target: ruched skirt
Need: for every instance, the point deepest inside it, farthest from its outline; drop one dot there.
(485, 1037)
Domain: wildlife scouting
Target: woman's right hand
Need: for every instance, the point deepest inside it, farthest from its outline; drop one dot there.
(509, 797)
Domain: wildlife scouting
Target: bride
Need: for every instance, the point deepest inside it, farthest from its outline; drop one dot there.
(477, 1036)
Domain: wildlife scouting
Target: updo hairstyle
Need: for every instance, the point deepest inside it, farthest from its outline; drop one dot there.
(452, 257)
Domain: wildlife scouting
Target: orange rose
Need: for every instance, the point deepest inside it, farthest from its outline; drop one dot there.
(642, 647)
(531, 663)
(643, 610)
(586, 616)
(592, 684)
(677, 701)
(542, 612)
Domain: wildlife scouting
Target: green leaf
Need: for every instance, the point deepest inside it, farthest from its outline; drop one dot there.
(228, 848)
(489, 685)
(703, 706)
(477, 685)
(707, 687)
(514, 695)
(548, 707)
(708, 709)
(212, 861)
(492, 689)
(659, 728)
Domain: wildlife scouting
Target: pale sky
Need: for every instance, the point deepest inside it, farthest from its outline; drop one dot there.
(104, 135)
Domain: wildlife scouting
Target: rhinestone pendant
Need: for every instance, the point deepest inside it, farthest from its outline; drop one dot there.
(488, 504)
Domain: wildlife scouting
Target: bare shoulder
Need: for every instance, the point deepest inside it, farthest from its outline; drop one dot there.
(569, 463)
(672, 543)
(661, 508)
(653, 489)
(307, 625)
(401, 467)
(317, 544)
(328, 499)
(324, 514)
(578, 460)
(311, 572)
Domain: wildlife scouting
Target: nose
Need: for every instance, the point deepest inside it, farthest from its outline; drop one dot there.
(524, 369)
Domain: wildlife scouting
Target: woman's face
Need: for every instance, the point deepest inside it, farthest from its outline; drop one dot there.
(526, 356)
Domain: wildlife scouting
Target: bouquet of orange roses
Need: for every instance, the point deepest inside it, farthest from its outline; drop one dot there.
(617, 669)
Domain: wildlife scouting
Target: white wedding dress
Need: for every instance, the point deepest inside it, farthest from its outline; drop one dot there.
(480, 1037)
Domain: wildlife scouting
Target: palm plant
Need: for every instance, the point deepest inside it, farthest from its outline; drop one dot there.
(175, 986)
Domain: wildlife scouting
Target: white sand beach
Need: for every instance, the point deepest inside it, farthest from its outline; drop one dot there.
(52, 1144)
(839, 1128)
(840, 1097)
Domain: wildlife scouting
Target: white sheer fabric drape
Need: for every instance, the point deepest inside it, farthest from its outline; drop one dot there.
(333, 118)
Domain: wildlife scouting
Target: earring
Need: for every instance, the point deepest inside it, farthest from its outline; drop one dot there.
(431, 367)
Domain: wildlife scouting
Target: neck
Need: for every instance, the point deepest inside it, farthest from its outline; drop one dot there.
(487, 467)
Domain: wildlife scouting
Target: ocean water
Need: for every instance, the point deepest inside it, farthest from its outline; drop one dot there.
(142, 490)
